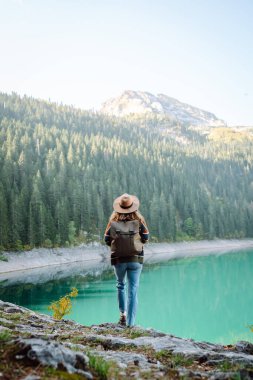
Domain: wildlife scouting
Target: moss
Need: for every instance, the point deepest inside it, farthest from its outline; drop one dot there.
(236, 376)
(126, 332)
(227, 366)
(174, 360)
(14, 316)
(5, 335)
(180, 360)
(51, 373)
(147, 375)
(8, 325)
(77, 339)
(25, 334)
(26, 315)
(132, 333)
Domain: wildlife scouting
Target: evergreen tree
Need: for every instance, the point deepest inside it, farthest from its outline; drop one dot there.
(61, 168)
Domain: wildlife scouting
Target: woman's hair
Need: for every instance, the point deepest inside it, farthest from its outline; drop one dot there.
(117, 217)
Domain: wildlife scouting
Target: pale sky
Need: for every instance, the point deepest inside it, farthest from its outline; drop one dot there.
(82, 52)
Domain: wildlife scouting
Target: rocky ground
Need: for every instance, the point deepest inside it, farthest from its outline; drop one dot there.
(37, 347)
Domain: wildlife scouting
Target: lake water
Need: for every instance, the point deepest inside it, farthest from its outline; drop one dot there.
(205, 298)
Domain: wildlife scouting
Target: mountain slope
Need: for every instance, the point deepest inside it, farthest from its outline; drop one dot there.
(139, 102)
(61, 168)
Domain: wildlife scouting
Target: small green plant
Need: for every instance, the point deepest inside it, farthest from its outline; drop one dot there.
(236, 376)
(17, 245)
(48, 243)
(180, 360)
(132, 333)
(3, 258)
(100, 366)
(251, 328)
(12, 317)
(226, 366)
(63, 306)
(175, 360)
(5, 335)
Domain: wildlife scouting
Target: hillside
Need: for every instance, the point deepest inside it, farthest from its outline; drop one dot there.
(139, 102)
(61, 168)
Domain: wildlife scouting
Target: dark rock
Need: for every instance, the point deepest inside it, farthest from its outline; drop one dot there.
(154, 333)
(54, 354)
(5, 304)
(108, 326)
(12, 309)
(208, 346)
(36, 325)
(42, 318)
(245, 347)
(202, 359)
(246, 374)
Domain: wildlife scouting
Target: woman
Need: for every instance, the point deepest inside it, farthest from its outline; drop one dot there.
(126, 233)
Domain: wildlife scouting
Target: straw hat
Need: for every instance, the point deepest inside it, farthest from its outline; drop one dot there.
(126, 203)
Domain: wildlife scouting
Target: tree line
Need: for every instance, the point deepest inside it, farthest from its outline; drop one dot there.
(61, 168)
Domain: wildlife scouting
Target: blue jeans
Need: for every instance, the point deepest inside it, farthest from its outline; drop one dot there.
(132, 271)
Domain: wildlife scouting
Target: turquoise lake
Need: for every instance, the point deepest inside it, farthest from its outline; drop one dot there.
(206, 298)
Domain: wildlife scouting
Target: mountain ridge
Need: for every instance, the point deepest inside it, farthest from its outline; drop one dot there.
(141, 102)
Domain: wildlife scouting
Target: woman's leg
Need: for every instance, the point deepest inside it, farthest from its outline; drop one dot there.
(120, 272)
(133, 276)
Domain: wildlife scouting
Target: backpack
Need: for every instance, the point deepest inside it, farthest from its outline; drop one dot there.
(126, 240)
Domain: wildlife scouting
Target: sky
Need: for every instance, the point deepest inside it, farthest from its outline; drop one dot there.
(83, 52)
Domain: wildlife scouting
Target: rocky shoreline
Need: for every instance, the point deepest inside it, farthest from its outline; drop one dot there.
(92, 255)
(37, 347)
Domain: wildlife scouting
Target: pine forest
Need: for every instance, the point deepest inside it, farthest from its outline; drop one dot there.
(62, 167)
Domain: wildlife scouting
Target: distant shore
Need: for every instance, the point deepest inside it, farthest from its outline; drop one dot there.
(94, 254)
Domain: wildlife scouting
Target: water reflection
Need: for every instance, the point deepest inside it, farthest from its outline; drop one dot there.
(209, 298)
(206, 298)
(29, 294)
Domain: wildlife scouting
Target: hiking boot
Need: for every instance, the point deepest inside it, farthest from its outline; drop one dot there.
(122, 320)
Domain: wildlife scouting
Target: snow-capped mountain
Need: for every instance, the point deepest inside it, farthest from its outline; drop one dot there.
(139, 102)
